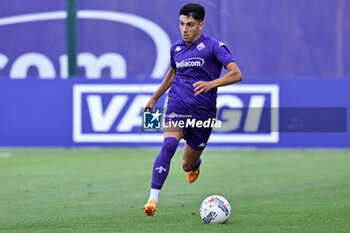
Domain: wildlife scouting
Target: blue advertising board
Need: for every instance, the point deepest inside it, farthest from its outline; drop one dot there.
(260, 113)
(131, 39)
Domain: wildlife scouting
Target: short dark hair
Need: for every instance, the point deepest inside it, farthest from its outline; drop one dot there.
(193, 9)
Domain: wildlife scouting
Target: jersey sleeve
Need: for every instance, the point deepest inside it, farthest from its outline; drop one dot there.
(222, 54)
(172, 62)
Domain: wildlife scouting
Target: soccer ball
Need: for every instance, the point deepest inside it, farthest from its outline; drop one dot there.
(215, 209)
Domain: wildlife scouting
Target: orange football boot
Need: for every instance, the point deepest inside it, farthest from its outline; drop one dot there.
(192, 176)
(150, 208)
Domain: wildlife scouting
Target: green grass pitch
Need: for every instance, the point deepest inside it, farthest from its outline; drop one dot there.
(103, 190)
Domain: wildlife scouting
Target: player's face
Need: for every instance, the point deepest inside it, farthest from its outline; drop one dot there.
(190, 29)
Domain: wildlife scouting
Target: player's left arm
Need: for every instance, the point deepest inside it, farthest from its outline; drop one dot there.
(234, 75)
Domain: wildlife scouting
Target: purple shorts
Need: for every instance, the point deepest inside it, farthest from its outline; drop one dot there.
(195, 137)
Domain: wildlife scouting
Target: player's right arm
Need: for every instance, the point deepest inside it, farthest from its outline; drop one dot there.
(166, 84)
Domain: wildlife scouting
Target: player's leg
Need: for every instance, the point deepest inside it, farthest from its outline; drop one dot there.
(161, 167)
(162, 162)
(196, 141)
(191, 163)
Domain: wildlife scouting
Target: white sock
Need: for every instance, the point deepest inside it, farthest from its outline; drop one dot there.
(154, 194)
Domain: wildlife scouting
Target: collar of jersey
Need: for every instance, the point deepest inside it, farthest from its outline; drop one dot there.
(197, 42)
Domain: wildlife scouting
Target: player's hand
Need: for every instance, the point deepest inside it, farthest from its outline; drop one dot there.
(202, 86)
(150, 105)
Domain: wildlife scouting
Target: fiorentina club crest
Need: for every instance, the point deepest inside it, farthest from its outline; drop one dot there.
(200, 46)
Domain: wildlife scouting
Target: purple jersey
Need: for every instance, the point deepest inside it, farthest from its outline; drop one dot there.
(200, 61)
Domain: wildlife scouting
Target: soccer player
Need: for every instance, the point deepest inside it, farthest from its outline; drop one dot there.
(194, 75)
